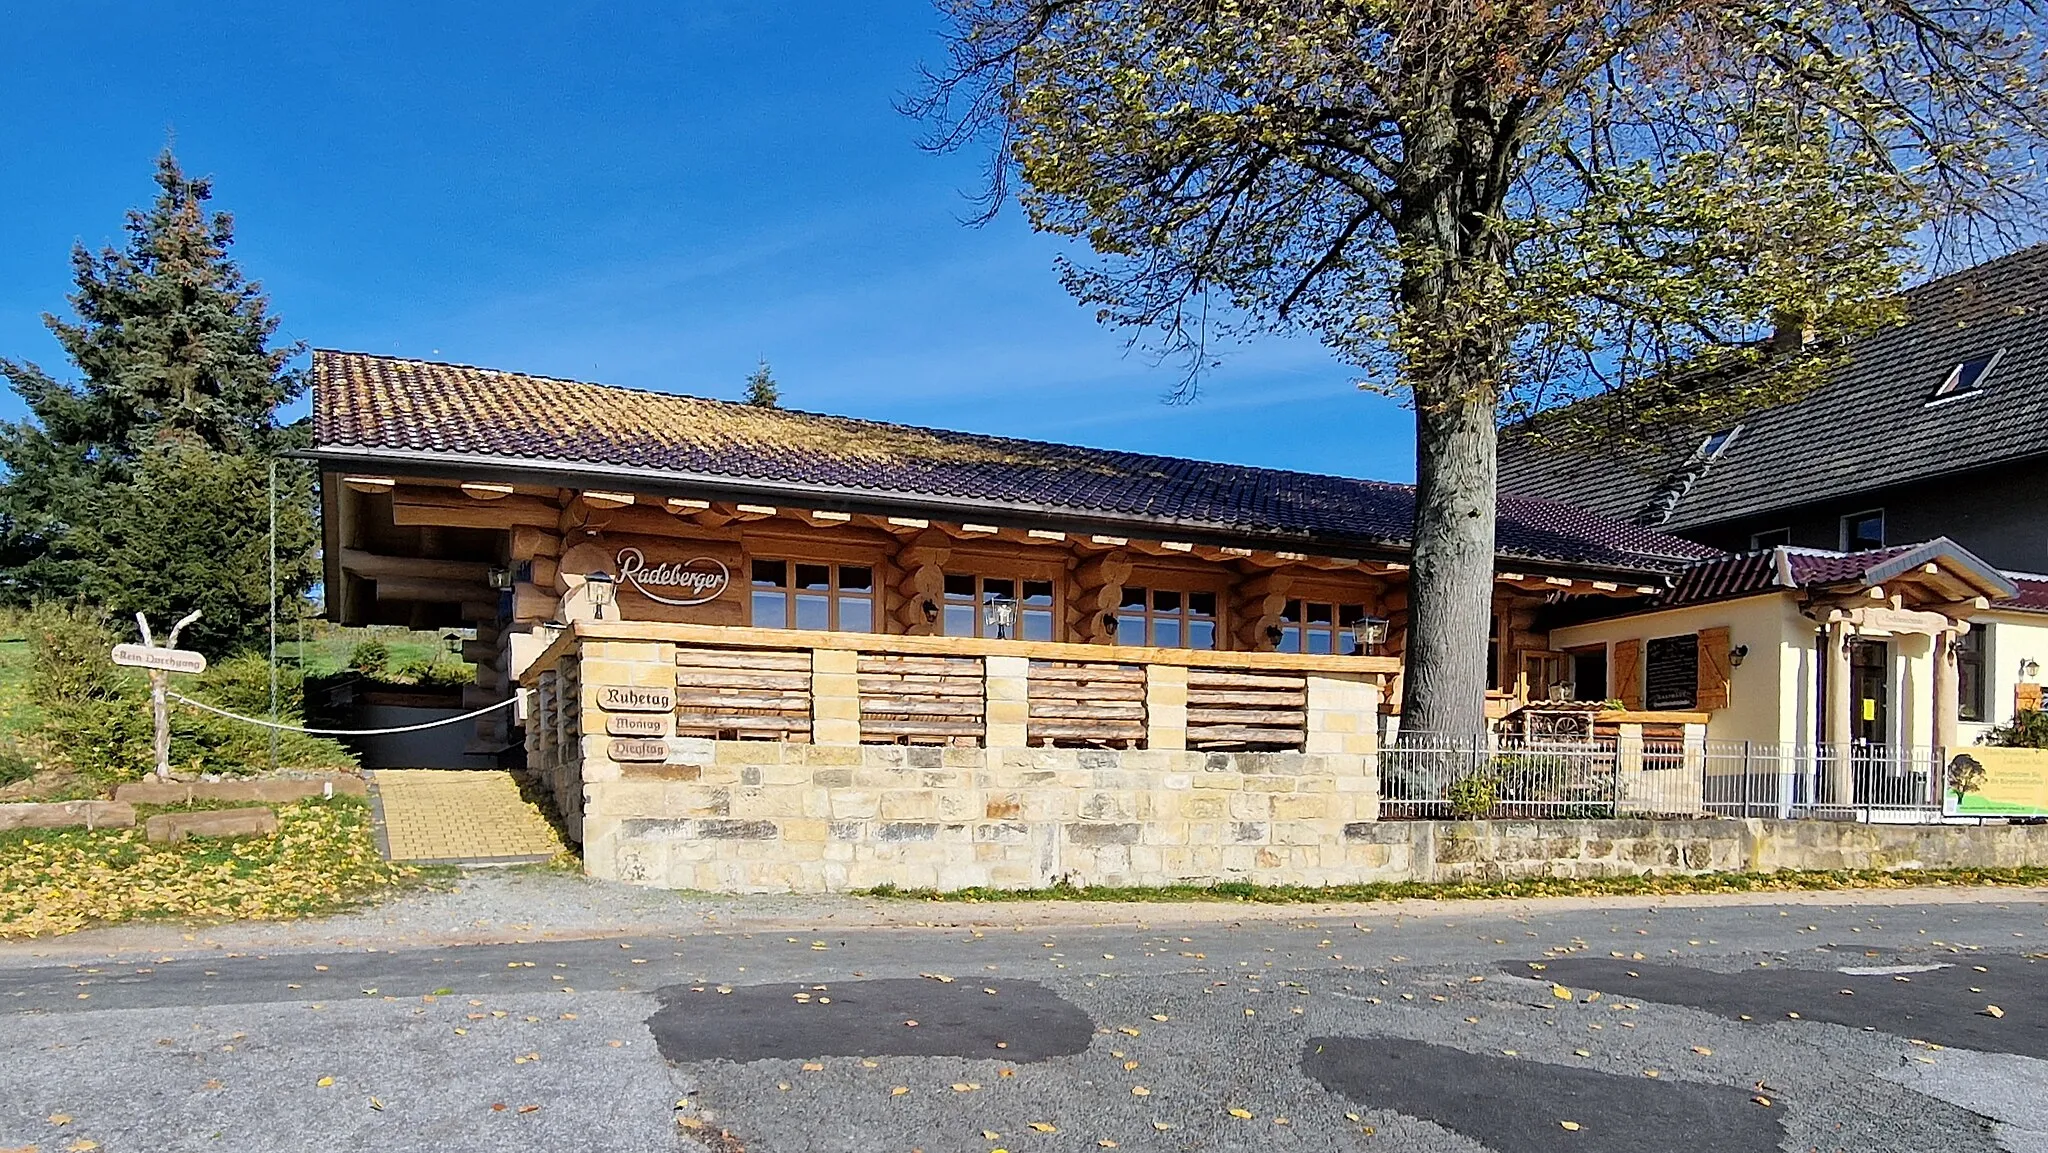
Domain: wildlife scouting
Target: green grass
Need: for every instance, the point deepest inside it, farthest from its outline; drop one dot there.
(1249, 894)
(326, 649)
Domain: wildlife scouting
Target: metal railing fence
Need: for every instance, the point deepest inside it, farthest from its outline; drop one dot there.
(1508, 777)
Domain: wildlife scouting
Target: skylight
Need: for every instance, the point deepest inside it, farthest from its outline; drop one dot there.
(1967, 378)
(1712, 447)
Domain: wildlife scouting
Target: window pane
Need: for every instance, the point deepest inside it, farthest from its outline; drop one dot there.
(1292, 612)
(771, 573)
(771, 610)
(856, 578)
(1318, 641)
(1201, 634)
(959, 586)
(813, 611)
(992, 589)
(1318, 614)
(1348, 615)
(1202, 604)
(814, 576)
(1130, 629)
(1037, 625)
(856, 615)
(1290, 640)
(1134, 598)
(1166, 632)
(1038, 592)
(960, 620)
(1165, 601)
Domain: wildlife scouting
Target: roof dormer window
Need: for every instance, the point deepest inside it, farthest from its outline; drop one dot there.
(1711, 448)
(1967, 378)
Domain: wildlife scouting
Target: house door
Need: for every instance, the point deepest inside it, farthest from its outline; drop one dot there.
(1870, 666)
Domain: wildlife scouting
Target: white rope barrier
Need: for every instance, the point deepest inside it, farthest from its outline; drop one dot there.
(472, 715)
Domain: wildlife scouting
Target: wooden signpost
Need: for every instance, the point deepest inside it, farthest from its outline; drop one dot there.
(161, 663)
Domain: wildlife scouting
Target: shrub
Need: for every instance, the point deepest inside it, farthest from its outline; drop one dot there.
(372, 658)
(16, 765)
(71, 661)
(2028, 730)
(1474, 796)
(435, 671)
(242, 684)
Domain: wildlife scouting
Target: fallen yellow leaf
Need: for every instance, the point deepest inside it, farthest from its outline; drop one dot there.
(1240, 1114)
(899, 1090)
(1045, 1127)
(1571, 1126)
(324, 1082)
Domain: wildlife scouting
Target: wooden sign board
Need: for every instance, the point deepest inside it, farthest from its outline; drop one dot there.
(1672, 679)
(636, 699)
(1884, 620)
(168, 660)
(629, 749)
(637, 725)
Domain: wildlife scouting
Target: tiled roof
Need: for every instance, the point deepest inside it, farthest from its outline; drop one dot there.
(2033, 594)
(376, 407)
(1783, 568)
(1867, 426)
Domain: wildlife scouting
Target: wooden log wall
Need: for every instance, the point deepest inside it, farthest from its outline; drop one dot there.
(1086, 705)
(1255, 607)
(922, 700)
(743, 694)
(1246, 710)
(922, 563)
(1094, 593)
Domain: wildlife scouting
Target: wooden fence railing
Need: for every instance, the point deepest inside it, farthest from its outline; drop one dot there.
(922, 700)
(1233, 709)
(743, 694)
(1087, 704)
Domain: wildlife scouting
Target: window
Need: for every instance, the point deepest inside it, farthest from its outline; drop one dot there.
(1863, 530)
(1493, 652)
(1970, 695)
(975, 607)
(1315, 627)
(1589, 673)
(1671, 672)
(1772, 539)
(1167, 618)
(1712, 447)
(801, 595)
(1967, 378)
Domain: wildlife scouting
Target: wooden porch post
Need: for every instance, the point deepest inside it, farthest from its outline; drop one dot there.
(1947, 689)
(1840, 773)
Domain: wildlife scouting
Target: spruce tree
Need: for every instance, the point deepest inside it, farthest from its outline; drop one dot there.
(174, 355)
(762, 391)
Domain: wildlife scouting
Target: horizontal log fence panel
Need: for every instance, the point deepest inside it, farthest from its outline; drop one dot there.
(921, 700)
(1086, 704)
(743, 694)
(1247, 710)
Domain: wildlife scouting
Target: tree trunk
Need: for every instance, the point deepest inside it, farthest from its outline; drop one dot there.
(1451, 584)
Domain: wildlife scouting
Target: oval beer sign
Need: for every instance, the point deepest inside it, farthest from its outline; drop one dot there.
(691, 582)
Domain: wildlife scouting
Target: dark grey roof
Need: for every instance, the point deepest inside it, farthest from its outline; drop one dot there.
(1867, 426)
(383, 412)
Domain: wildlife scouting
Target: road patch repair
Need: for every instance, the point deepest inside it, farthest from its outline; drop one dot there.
(1984, 1001)
(1019, 1021)
(458, 816)
(1528, 1106)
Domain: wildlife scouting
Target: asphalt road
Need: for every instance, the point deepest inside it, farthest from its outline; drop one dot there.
(1744, 1028)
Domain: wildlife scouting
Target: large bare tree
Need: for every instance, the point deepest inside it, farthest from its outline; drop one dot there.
(1490, 206)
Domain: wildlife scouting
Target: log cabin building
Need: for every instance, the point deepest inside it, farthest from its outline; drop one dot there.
(460, 496)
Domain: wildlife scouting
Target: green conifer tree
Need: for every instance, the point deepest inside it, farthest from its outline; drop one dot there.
(762, 391)
(174, 354)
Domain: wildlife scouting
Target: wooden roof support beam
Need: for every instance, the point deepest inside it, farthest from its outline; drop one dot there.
(370, 484)
(825, 517)
(753, 511)
(481, 490)
(1109, 541)
(979, 530)
(1045, 534)
(600, 499)
(683, 506)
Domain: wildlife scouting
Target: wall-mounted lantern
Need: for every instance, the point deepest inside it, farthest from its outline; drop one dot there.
(1736, 656)
(498, 577)
(999, 618)
(931, 612)
(602, 591)
(1371, 633)
(452, 642)
(2029, 669)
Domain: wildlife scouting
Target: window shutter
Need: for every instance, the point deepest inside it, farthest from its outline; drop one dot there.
(1628, 673)
(1713, 683)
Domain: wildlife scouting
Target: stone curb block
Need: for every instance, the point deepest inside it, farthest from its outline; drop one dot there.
(67, 815)
(175, 827)
(271, 792)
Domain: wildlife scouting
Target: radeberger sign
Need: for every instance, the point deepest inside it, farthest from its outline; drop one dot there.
(635, 699)
(692, 582)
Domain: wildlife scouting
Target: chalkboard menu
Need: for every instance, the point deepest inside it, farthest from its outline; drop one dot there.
(1672, 672)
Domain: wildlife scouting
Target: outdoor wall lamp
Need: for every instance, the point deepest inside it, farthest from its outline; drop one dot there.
(1736, 655)
(452, 642)
(931, 612)
(1274, 634)
(1371, 632)
(999, 618)
(498, 577)
(1109, 623)
(602, 591)
(2029, 668)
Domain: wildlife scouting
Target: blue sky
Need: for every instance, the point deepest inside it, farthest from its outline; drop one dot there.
(650, 194)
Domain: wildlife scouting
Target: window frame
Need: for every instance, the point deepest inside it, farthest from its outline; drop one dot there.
(948, 600)
(1849, 519)
(1952, 387)
(1305, 629)
(1756, 539)
(1184, 617)
(835, 594)
(1973, 664)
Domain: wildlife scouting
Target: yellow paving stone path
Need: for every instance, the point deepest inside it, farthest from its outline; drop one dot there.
(459, 815)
